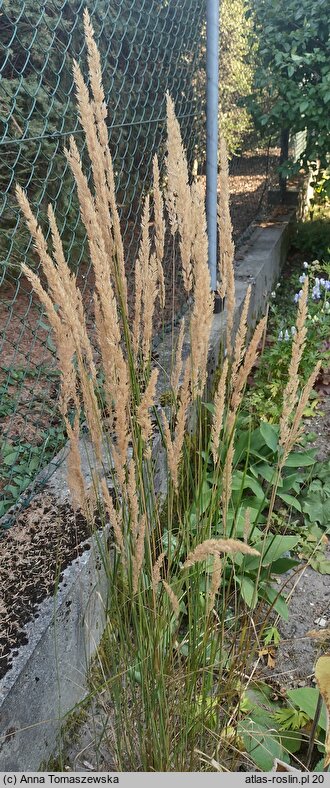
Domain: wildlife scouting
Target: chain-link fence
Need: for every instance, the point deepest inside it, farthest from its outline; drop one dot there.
(147, 47)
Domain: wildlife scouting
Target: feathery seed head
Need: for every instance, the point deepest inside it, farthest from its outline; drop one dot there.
(215, 581)
(156, 569)
(219, 407)
(215, 547)
(139, 553)
(178, 194)
(147, 402)
(173, 599)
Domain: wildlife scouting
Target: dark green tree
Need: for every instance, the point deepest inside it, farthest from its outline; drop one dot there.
(292, 77)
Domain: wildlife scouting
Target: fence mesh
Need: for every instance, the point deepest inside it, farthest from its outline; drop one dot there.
(147, 47)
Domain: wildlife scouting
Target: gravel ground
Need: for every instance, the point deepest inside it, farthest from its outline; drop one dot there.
(310, 601)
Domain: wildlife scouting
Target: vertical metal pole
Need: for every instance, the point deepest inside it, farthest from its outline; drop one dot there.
(212, 99)
(284, 155)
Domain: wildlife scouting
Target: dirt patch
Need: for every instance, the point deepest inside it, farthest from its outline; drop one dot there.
(44, 540)
(88, 745)
(309, 606)
(27, 368)
(320, 424)
(309, 611)
(250, 178)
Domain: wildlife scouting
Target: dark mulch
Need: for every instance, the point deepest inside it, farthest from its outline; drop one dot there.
(45, 539)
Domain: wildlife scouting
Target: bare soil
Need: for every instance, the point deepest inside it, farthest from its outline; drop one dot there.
(250, 178)
(24, 350)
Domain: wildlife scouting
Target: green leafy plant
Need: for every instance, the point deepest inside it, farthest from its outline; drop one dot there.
(315, 500)
(273, 729)
(290, 719)
(312, 237)
(271, 635)
(258, 728)
(236, 73)
(21, 461)
(264, 395)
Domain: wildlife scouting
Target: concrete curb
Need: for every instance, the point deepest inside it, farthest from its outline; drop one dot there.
(49, 674)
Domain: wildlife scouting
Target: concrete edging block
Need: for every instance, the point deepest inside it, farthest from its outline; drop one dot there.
(49, 674)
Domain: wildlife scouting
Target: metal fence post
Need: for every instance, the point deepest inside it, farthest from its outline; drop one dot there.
(284, 156)
(212, 102)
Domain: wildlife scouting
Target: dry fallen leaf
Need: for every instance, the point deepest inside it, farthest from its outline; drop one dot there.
(322, 675)
(319, 634)
(281, 766)
(268, 652)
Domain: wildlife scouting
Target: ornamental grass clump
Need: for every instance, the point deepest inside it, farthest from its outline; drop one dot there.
(180, 637)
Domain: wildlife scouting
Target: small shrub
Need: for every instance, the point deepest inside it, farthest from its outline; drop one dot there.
(313, 235)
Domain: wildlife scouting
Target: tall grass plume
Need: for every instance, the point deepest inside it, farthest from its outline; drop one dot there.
(176, 635)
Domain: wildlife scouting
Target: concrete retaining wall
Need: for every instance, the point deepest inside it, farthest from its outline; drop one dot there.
(49, 675)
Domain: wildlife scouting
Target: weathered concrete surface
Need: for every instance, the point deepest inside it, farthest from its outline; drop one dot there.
(299, 198)
(49, 674)
(259, 268)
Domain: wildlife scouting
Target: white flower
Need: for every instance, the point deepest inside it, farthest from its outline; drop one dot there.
(273, 294)
(286, 335)
(280, 336)
(305, 265)
(293, 330)
(302, 278)
(278, 285)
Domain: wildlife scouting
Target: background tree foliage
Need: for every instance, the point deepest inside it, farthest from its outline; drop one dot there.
(236, 72)
(291, 88)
